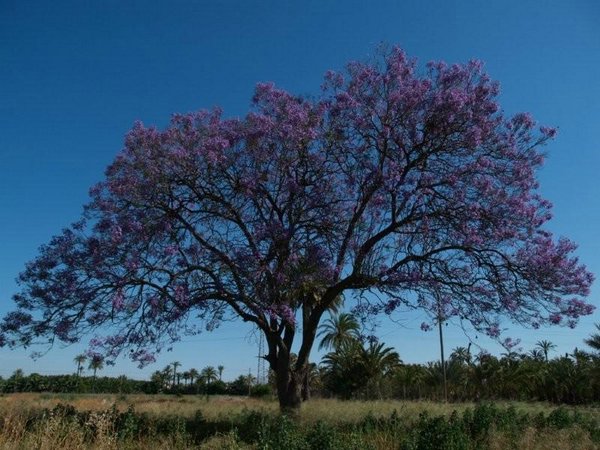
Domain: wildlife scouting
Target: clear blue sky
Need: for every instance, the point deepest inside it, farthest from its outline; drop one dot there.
(74, 76)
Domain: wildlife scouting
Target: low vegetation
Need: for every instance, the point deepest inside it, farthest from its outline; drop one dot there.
(47, 421)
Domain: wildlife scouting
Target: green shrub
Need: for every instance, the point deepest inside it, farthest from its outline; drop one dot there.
(560, 418)
(251, 425)
(322, 436)
(261, 390)
(282, 433)
(437, 433)
(478, 424)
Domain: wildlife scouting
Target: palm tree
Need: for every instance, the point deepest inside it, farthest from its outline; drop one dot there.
(352, 367)
(545, 346)
(594, 340)
(193, 375)
(220, 369)
(186, 377)
(461, 354)
(96, 363)
(208, 375)
(347, 352)
(175, 365)
(379, 362)
(161, 379)
(249, 380)
(410, 377)
(510, 355)
(337, 330)
(80, 359)
(537, 354)
(379, 359)
(168, 373)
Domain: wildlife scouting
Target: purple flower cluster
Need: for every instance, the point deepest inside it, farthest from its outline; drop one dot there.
(283, 312)
(425, 326)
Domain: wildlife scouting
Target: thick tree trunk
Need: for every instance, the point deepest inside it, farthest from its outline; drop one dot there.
(289, 386)
(289, 396)
(306, 387)
(292, 379)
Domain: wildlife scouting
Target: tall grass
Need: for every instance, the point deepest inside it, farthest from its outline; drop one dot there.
(165, 422)
(330, 410)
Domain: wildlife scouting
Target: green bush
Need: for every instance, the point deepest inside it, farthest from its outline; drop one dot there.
(261, 390)
(437, 433)
(251, 425)
(322, 437)
(282, 433)
(480, 422)
(560, 418)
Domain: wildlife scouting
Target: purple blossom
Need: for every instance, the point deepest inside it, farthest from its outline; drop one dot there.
(555, 318)
(181, 296)
(493, 331)
(143, 357)
(509, 343)
(96, 342)
(548, 131)
(132, 264)
(118, 301)
(391, 305)
(116, 234)
(171, 250)
(283, 312)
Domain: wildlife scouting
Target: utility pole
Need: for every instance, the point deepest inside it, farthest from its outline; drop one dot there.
(443, 360)
(249, 381)
(440, 320)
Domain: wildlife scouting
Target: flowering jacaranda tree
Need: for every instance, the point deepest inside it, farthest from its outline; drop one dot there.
(408, 184)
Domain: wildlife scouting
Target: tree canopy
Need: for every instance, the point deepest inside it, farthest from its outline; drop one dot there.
(407, 183)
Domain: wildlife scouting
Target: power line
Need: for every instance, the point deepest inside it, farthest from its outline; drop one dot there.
(237, 338)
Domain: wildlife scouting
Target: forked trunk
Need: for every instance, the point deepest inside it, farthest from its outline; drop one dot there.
(289, 386)
(292, 376)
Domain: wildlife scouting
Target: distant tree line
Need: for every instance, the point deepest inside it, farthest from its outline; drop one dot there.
(170, 380)
(360, 368)
(34, 382)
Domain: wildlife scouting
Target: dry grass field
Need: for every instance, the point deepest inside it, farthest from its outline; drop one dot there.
(98, 431)
(327, 410)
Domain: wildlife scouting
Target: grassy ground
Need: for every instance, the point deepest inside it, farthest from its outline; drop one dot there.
(328, 410)
(234, 422)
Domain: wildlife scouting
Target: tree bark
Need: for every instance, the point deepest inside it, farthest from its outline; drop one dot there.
(289, 385)
(306, 387)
